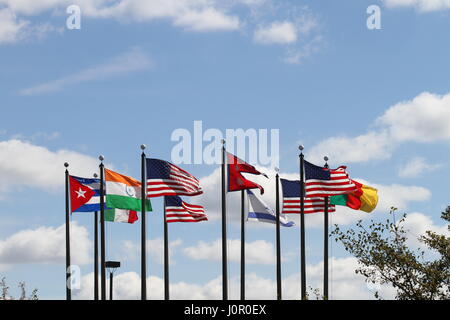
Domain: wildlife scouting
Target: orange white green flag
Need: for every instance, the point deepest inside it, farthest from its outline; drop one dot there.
(123, 192)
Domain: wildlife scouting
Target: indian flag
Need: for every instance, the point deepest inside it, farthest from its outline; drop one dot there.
(123, 192)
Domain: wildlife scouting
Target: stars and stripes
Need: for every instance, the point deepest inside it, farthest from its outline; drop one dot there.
(166, 179)
(179, 211)
(322, 182)
(291, 199)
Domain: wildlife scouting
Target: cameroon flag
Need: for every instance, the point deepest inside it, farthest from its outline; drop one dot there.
(365, 198)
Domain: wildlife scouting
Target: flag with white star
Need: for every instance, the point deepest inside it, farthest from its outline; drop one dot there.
(84, 194)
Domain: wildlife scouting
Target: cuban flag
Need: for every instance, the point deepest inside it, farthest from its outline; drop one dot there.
(259, 211)
(84, 194)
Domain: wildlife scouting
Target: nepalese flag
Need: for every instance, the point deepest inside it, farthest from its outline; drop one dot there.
(323, 182)
(259, 211)
(236, 181)
(84, 194)
(179, 211)
(166, 179)
(291, 199)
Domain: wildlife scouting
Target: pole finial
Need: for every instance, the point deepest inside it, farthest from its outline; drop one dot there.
(301, 147)
(277, 170)
(66, 164)
(223, 141)
(143, 146)
(101, 157)
(95, 175)
(325, 158)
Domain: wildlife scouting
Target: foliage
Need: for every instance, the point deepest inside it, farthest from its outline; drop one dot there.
(23, 293)
(385, 258)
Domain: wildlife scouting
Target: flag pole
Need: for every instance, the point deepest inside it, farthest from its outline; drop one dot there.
(68, 273)
(166, 255)
(143, 226)
(302, 225)
(325, 244)
(95, 251)
(278, 238)
(102, 230)
(242, 244)
(224, 229)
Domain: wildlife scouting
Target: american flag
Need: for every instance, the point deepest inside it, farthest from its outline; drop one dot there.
(166, 179)
(291, 199)
(179, 211)
(322, 182)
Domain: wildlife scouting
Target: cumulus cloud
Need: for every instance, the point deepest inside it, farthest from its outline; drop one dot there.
(344, 284)
(282, 32)
(12, 29)
(133, 60)
(46, 171)
(420, 5)
(424, 119)
(45, 245)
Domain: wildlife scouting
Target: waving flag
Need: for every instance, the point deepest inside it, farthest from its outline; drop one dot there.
(236, 181)
(179, 211)
(84, 194)
(166, 179)
(121, 215)
(259, 211)
(322, 182)
(123, 192)
(291, 199)
(364, 199)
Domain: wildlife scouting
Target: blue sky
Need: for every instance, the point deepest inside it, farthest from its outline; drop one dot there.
(374, 100)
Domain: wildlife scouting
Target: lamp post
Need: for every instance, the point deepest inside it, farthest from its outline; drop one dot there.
(111, 266)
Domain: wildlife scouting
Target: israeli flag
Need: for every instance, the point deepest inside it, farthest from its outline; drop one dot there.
(259, 211)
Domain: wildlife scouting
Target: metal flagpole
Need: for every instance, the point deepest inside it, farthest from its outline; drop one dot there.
(95, 252)
(68, 272)
(302, 225)
(242, 244)
(102, 230)
(325, 244)
(278, 238)
(224, 229)
(143, 226)
(166, 255)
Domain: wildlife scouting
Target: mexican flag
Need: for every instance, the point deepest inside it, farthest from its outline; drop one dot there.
(124, 193)
(121, 215)
(364, 199)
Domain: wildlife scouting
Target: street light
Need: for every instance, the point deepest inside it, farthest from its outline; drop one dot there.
(111, 266)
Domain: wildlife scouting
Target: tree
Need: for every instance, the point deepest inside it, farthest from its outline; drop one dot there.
(23, 293)
(385, 258)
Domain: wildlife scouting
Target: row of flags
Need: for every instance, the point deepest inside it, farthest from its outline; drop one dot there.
(319, 190)
(123, 197)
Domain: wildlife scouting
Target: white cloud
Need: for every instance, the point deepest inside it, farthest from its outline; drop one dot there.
(45, 245)
(278, 32)
(207, 20)
(12, 29)
(257, 252)
(344, 284)
(417, 224)
(420, 5)
(423, 119)
(23, 164)
(133, 60)
(416, 166)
